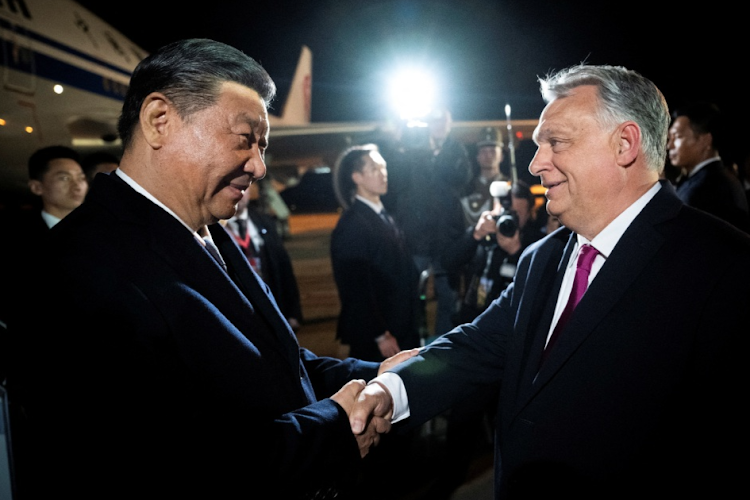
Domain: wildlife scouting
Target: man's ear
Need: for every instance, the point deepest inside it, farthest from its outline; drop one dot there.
(36, 187)
(357, 177)
(706, 140)
(628, 144)
(156, 112)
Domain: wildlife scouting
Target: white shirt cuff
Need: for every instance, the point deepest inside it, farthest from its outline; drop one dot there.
(395, 386)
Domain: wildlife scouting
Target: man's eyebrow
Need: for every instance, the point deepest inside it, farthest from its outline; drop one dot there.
(256, 121)
(552, 130)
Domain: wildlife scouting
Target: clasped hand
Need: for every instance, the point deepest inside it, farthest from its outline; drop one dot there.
(370, 407)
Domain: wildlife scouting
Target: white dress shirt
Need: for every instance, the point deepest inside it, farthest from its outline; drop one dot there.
(604, 242)
(377, 207)
(50, 219)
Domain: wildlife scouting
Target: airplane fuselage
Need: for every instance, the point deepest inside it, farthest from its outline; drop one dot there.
(63, 76)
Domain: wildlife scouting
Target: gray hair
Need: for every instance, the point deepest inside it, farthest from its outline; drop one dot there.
(624, 95)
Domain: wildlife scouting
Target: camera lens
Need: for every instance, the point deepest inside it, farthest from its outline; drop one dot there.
(507, 225)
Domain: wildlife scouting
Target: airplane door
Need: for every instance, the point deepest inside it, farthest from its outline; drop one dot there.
(18, 66)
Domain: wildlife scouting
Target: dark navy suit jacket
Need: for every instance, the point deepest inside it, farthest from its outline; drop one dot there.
(146, 371)
(717, 191)
(642, 392)
(377, 283)
(22, 249)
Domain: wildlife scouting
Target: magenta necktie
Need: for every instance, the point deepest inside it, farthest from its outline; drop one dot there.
(580, 283)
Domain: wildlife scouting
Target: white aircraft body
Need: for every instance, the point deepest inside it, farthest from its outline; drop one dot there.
(64, 75)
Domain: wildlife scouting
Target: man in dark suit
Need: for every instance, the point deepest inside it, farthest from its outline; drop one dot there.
(641, 390)
(58, 183)
(164, 368)
(377, 280)
(695, 142)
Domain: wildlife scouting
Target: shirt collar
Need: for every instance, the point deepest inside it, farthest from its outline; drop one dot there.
(148, 195)
(703, 164)
(608, 237)
(125, 177)
(377, 207)
(50, 219)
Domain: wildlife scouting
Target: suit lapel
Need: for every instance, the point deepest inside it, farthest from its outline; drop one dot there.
(254, 289)
(541, 283)
(244, 276)
(376, 223)
(544, 310)
(179, 249)
(629, 258)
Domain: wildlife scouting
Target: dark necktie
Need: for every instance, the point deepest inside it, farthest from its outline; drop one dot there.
(241, 227)
(215, 252)
(388, 221)
(387, 218)
(580, 283)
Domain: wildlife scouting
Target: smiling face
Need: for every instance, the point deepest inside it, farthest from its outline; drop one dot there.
(576, 161)
(214, 155)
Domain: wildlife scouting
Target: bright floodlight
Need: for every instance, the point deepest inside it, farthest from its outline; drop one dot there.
(412, 94)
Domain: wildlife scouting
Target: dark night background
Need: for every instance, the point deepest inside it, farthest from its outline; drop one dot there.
(485, 53)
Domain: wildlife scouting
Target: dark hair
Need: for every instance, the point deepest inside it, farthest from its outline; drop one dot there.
(190, 73)
(705, 118)
(91, 161)
(350, 161)
(39, 161)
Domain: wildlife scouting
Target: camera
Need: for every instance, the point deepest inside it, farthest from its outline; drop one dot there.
(507, 222)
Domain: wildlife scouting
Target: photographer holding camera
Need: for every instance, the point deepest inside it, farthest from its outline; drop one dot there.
(492, 247)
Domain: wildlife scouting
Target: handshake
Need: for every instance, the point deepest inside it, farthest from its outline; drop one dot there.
(370, 407)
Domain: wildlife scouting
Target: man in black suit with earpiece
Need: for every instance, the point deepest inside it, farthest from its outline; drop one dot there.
(695, 142)
(375, 275)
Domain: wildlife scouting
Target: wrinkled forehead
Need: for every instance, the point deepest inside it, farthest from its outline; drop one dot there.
(244, 103)
(567, 113)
